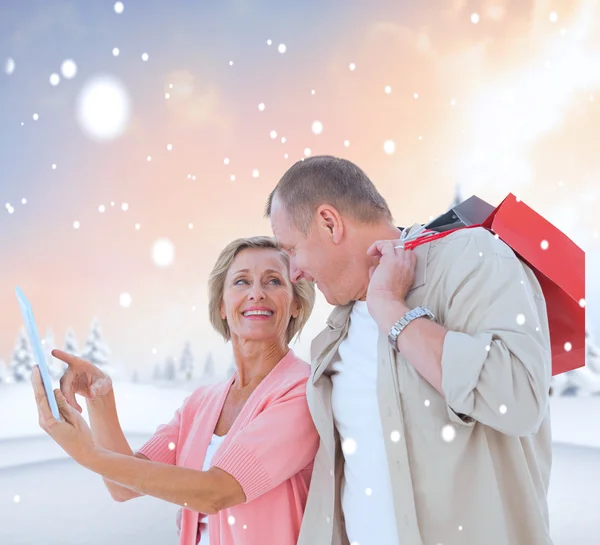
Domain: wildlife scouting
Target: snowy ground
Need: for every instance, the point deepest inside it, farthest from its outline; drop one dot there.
(73, 507)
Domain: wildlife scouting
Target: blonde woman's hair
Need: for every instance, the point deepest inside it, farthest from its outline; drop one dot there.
(304, 291)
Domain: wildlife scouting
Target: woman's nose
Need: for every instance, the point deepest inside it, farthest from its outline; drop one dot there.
(257, 293)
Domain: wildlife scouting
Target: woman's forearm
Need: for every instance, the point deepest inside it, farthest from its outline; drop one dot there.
(108, 434)
(202, 491)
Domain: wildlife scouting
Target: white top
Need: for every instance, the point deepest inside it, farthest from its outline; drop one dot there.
(367, 499)
(214, 444)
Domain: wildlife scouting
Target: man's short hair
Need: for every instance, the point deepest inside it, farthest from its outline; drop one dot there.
(324, 179)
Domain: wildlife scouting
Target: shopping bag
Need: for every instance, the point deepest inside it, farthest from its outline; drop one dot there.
(558, 263)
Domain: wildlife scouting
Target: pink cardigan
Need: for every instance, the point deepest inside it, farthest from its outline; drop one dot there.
(270, 450)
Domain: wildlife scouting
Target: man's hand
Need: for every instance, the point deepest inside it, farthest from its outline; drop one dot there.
(390, 280)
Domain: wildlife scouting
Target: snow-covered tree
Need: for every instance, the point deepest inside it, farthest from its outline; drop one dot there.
(55, 366)
(186, 363)
(170, 371)
(96, 351)
(158, 373)
(4, 372)
(232, 369)
(209, 367)
(71, 343)
(22, 361)
(458, 196)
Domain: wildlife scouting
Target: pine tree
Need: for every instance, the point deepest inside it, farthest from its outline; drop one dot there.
(96, 351)
(3, 372)
(458, 196)
(55, 366)
(170, 372)
(209, 367)
(186, 362)
(22, 361)
(232, 369)
(71, 343)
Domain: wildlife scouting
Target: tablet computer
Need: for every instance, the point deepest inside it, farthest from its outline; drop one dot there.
(38, 352)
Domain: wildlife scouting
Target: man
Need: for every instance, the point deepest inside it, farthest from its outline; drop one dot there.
(438, 434)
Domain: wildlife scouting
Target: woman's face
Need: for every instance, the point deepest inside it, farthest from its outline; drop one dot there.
(258, 299)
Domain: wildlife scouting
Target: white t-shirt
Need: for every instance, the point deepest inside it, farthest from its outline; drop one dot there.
(214, 444)
(367, 499)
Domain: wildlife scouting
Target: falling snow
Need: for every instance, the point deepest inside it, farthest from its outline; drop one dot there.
(544, 245)
(520, 319)
(119, 7)
(125, 300)
(349, 446)
(68, 69)
(282, 48)
(389, 147)
(448, 433)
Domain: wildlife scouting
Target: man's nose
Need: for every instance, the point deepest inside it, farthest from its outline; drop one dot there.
(297, 274)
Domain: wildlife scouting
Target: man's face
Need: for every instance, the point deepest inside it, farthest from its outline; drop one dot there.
(313, 257)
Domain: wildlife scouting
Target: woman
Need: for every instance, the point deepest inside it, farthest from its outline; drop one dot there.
(238, 455)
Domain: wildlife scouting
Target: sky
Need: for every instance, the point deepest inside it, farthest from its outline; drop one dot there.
(126, 169)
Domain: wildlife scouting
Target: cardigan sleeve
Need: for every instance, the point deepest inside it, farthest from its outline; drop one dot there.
(277, 444)
(162, 446)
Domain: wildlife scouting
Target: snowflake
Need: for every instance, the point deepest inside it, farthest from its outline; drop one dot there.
(137, 226)
(388, 89)
(23, 200)
(269, 41)
(544, 245)
(395, 436)
(474, 18)
(261, 107)
(232, 177)
(502, 409)
(553, 17)
(448, 433)
(119, 7)
(317, 127)
(416, 96)
(53, 166)
(273, 134)
(226, 161)
(76, 225)
(9, 66)
(568, 347)
(282, 48)
(169, 147)
(346, 143)
(452, 102)
(163, 252)
(125, 300)
(255, 173)
(171, 444)
(231, 520)
(352, 67)
(17, 498)
(307, 151)
(124, 207)
(190, 226)
(54, 79)
(115, 51)
(68, 69)
(368, 492)
(349, 446)
(145, 57)
(520, 319)
(35, 117)
(427, 403)
(389, 147)
(149, 158)
(582, 303)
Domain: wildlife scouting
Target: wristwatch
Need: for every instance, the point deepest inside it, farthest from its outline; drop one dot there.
(418, 312)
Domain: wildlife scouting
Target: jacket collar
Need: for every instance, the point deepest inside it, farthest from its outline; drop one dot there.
(340, 314)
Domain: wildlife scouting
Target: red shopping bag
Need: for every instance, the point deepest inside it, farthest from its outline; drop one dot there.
(558, 263)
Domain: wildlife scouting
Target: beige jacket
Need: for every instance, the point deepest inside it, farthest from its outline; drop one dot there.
(488, 485)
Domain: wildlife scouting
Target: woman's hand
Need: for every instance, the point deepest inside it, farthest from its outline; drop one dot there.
(83, 378)
(71, 432)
